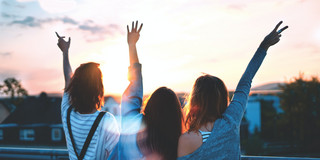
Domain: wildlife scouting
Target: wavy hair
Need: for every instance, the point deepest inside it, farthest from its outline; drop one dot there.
(207, 102)
(86, 88)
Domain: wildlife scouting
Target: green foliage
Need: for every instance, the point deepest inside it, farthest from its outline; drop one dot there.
(14, 89)
(300, 122)
(253, 145)
(269, 119)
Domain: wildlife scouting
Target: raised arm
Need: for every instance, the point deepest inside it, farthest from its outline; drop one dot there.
(132, 39)
(64, 47)
(132, 97)
(239, 101)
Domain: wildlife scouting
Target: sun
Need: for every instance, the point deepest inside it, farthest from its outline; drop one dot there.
(114, 67)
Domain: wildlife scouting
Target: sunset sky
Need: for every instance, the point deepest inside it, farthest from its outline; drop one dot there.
(180, 39)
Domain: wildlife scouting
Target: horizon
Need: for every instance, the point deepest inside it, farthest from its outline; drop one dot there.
(179, 41)
(254, 89)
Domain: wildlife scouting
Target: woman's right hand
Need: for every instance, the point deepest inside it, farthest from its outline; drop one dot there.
(62, 44)
(134, 35)
(273, 37)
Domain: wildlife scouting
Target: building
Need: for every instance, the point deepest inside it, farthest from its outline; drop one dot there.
(268, 92)
(37, 121)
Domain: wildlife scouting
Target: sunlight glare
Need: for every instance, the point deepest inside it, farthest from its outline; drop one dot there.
(57, 6)
(114, 68)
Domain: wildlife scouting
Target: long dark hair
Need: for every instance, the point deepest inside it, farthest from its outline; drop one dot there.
(164, 123)
(207, 102)
(86, 88)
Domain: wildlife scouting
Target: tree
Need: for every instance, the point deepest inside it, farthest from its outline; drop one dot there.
(14, 89)
(300, 101)
(268, 121)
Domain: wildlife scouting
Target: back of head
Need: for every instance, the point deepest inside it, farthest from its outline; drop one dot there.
(207, 102)
(86, 88)
(164, 120)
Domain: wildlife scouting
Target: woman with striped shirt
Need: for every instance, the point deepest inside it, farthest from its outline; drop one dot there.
(90, 133)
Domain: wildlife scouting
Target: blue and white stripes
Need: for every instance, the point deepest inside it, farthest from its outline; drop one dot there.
(104, 139)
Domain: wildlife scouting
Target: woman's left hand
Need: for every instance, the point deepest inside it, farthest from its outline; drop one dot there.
(273, 37)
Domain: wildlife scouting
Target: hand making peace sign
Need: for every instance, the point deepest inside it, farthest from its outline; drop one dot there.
(273, 37)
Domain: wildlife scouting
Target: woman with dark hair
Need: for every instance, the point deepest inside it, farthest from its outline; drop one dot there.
(90, 133)
(213, 124)
(152, 133)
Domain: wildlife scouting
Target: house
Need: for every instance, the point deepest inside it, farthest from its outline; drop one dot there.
(268, 92)
(6, 109)
(36, 121)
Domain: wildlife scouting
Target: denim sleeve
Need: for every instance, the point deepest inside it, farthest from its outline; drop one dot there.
(239, 101)
(132, 97)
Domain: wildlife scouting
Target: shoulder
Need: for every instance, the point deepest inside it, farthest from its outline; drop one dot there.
(188, 143)
(110, 123)
(64, 102)
(109, 118)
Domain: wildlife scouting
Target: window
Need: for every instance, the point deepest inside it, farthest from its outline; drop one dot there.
(56, 134)
(27, 135)
(1, 134)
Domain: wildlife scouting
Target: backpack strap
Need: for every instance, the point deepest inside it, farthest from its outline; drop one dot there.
(89, 137)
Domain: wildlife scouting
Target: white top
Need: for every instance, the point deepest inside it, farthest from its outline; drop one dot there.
(104, 139)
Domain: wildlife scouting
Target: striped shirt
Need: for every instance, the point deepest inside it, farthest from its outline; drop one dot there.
(104, 139)
(204, 135)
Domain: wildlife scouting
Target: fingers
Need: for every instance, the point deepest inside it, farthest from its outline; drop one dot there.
(57, 35)
(140, 27)
(277, 26)
(69, 40)
(132, 26)
(135, 28)
(282, 29)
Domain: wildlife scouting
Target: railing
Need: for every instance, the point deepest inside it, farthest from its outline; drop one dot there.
(12, 153)
(275, 158)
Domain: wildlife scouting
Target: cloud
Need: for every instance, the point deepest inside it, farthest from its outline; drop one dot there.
(28, 21)
(99, 32)
(68, 20)
(5, 15)
(5, 54)
(5, 3)
(93, 31)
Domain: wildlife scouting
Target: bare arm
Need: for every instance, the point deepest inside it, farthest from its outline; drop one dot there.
(64, 47)
(133, 38)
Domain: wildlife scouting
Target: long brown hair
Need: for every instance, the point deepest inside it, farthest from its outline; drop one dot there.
(164, 123)
(207, 102)
(86, 88)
